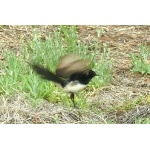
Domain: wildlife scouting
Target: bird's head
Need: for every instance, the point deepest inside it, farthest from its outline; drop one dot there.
(92, 74)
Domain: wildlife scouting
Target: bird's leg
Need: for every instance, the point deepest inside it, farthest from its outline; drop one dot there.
(72, 99)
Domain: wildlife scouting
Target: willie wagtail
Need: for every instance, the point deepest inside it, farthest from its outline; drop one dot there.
(72, 74)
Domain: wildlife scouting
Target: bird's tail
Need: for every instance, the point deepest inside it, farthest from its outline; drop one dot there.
(46, 74)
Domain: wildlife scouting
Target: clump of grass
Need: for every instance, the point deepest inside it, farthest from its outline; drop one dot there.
(140, 62)
(105, 67)
(19, 77)
(12, 73)
(69, 34)
(1, 26)
(142, 120)
(129, 104)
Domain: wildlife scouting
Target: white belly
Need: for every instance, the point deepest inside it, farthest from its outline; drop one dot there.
(73, 87)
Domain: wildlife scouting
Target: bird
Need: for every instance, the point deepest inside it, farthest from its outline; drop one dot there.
(72, 74)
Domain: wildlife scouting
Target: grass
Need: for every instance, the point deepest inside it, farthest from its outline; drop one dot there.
(129, 104)
(140, 62)
(142, 120)
(19, 77)
(115, 109)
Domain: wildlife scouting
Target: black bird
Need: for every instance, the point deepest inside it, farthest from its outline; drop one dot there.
(72, 74)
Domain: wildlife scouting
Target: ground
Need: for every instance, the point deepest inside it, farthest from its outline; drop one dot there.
(125, 84)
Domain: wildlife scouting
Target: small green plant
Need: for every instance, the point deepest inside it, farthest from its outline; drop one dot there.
(142, 120)
(140, 62)
(1, 26)
(128, 104)
(69, 35)
(105, 67)
(13, 71)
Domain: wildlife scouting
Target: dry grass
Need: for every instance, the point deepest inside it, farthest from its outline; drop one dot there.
(18, 110)
(125, 84)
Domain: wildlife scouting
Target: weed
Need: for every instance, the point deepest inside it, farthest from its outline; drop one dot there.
(140, 62)
(142, 120)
